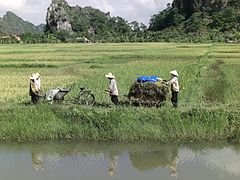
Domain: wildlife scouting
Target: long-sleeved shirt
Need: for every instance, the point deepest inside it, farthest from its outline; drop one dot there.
(113, 91)
(38, 84)
(174, 84)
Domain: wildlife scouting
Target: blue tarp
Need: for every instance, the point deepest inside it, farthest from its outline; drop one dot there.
(143, 79)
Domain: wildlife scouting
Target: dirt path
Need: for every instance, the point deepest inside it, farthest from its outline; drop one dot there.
(214, 91)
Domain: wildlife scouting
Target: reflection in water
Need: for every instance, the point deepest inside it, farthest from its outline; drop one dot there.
(112, 165)
(37, 161)
(163, 156)
(106, 161)
(173, 167)
(47, 158)
(142, 157)
(113, 159)
(226, 160)
(216, 157)
(41, 161)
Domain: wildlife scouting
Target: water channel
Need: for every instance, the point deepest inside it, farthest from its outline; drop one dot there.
(117, 161)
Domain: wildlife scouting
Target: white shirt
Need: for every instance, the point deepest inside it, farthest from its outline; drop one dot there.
(174, 84)
(37, 83)
(113, 91)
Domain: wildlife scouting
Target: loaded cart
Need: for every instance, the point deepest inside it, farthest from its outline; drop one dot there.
(148, 91)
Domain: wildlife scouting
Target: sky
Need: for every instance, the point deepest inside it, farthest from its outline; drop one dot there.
(34, 11)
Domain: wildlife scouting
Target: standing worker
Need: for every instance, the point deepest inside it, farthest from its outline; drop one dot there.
(174, 88)
(33, 90)
(113, 91)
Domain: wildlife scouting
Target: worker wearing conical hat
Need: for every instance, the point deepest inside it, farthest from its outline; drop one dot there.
(32, 89)
(174, 88)
(113, 90)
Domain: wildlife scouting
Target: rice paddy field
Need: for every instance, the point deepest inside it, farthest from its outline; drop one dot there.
(209, 90)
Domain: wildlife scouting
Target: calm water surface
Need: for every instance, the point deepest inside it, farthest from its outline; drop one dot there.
(101, 161)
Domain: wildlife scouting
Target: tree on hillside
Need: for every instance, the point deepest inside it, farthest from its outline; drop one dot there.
(120, 25)
(134, 26)
(226, 19)
(198, 22)
(166, 18)
(143, 27)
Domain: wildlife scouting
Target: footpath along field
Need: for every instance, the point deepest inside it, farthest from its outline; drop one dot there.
(209, 99)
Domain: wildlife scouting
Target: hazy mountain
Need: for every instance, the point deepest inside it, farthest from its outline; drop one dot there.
(12, 24)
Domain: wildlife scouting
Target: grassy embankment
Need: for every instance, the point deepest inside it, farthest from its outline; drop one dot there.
(209, 99)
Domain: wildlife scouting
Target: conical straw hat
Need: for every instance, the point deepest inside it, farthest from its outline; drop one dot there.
(174, 72)
(37, 75)
(33, 76)
(110, 75)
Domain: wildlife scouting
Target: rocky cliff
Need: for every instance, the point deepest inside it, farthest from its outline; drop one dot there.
(87, 20)
(57, 16)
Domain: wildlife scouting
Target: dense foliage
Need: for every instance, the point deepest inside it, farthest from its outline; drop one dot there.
(199, 20)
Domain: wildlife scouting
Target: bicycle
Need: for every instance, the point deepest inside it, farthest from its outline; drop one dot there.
(85, 97)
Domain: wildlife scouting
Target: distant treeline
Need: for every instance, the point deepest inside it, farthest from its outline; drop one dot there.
(147, 36)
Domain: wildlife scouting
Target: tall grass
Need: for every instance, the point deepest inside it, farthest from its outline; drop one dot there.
(49, 122)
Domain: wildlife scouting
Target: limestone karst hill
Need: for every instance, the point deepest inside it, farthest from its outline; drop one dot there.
(75, 19)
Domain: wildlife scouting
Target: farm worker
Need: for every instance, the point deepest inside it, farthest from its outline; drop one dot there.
(38, 82)
(33, 90)
(174, 88)
(113, 91)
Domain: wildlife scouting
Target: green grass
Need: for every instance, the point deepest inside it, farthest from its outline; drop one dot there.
(125, 124)
(208, 101)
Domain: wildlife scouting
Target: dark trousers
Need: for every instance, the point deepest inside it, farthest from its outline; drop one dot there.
(174, 99)
(114, 99)
(34, 98)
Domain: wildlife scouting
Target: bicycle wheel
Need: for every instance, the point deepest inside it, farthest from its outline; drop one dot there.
(86, 99)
